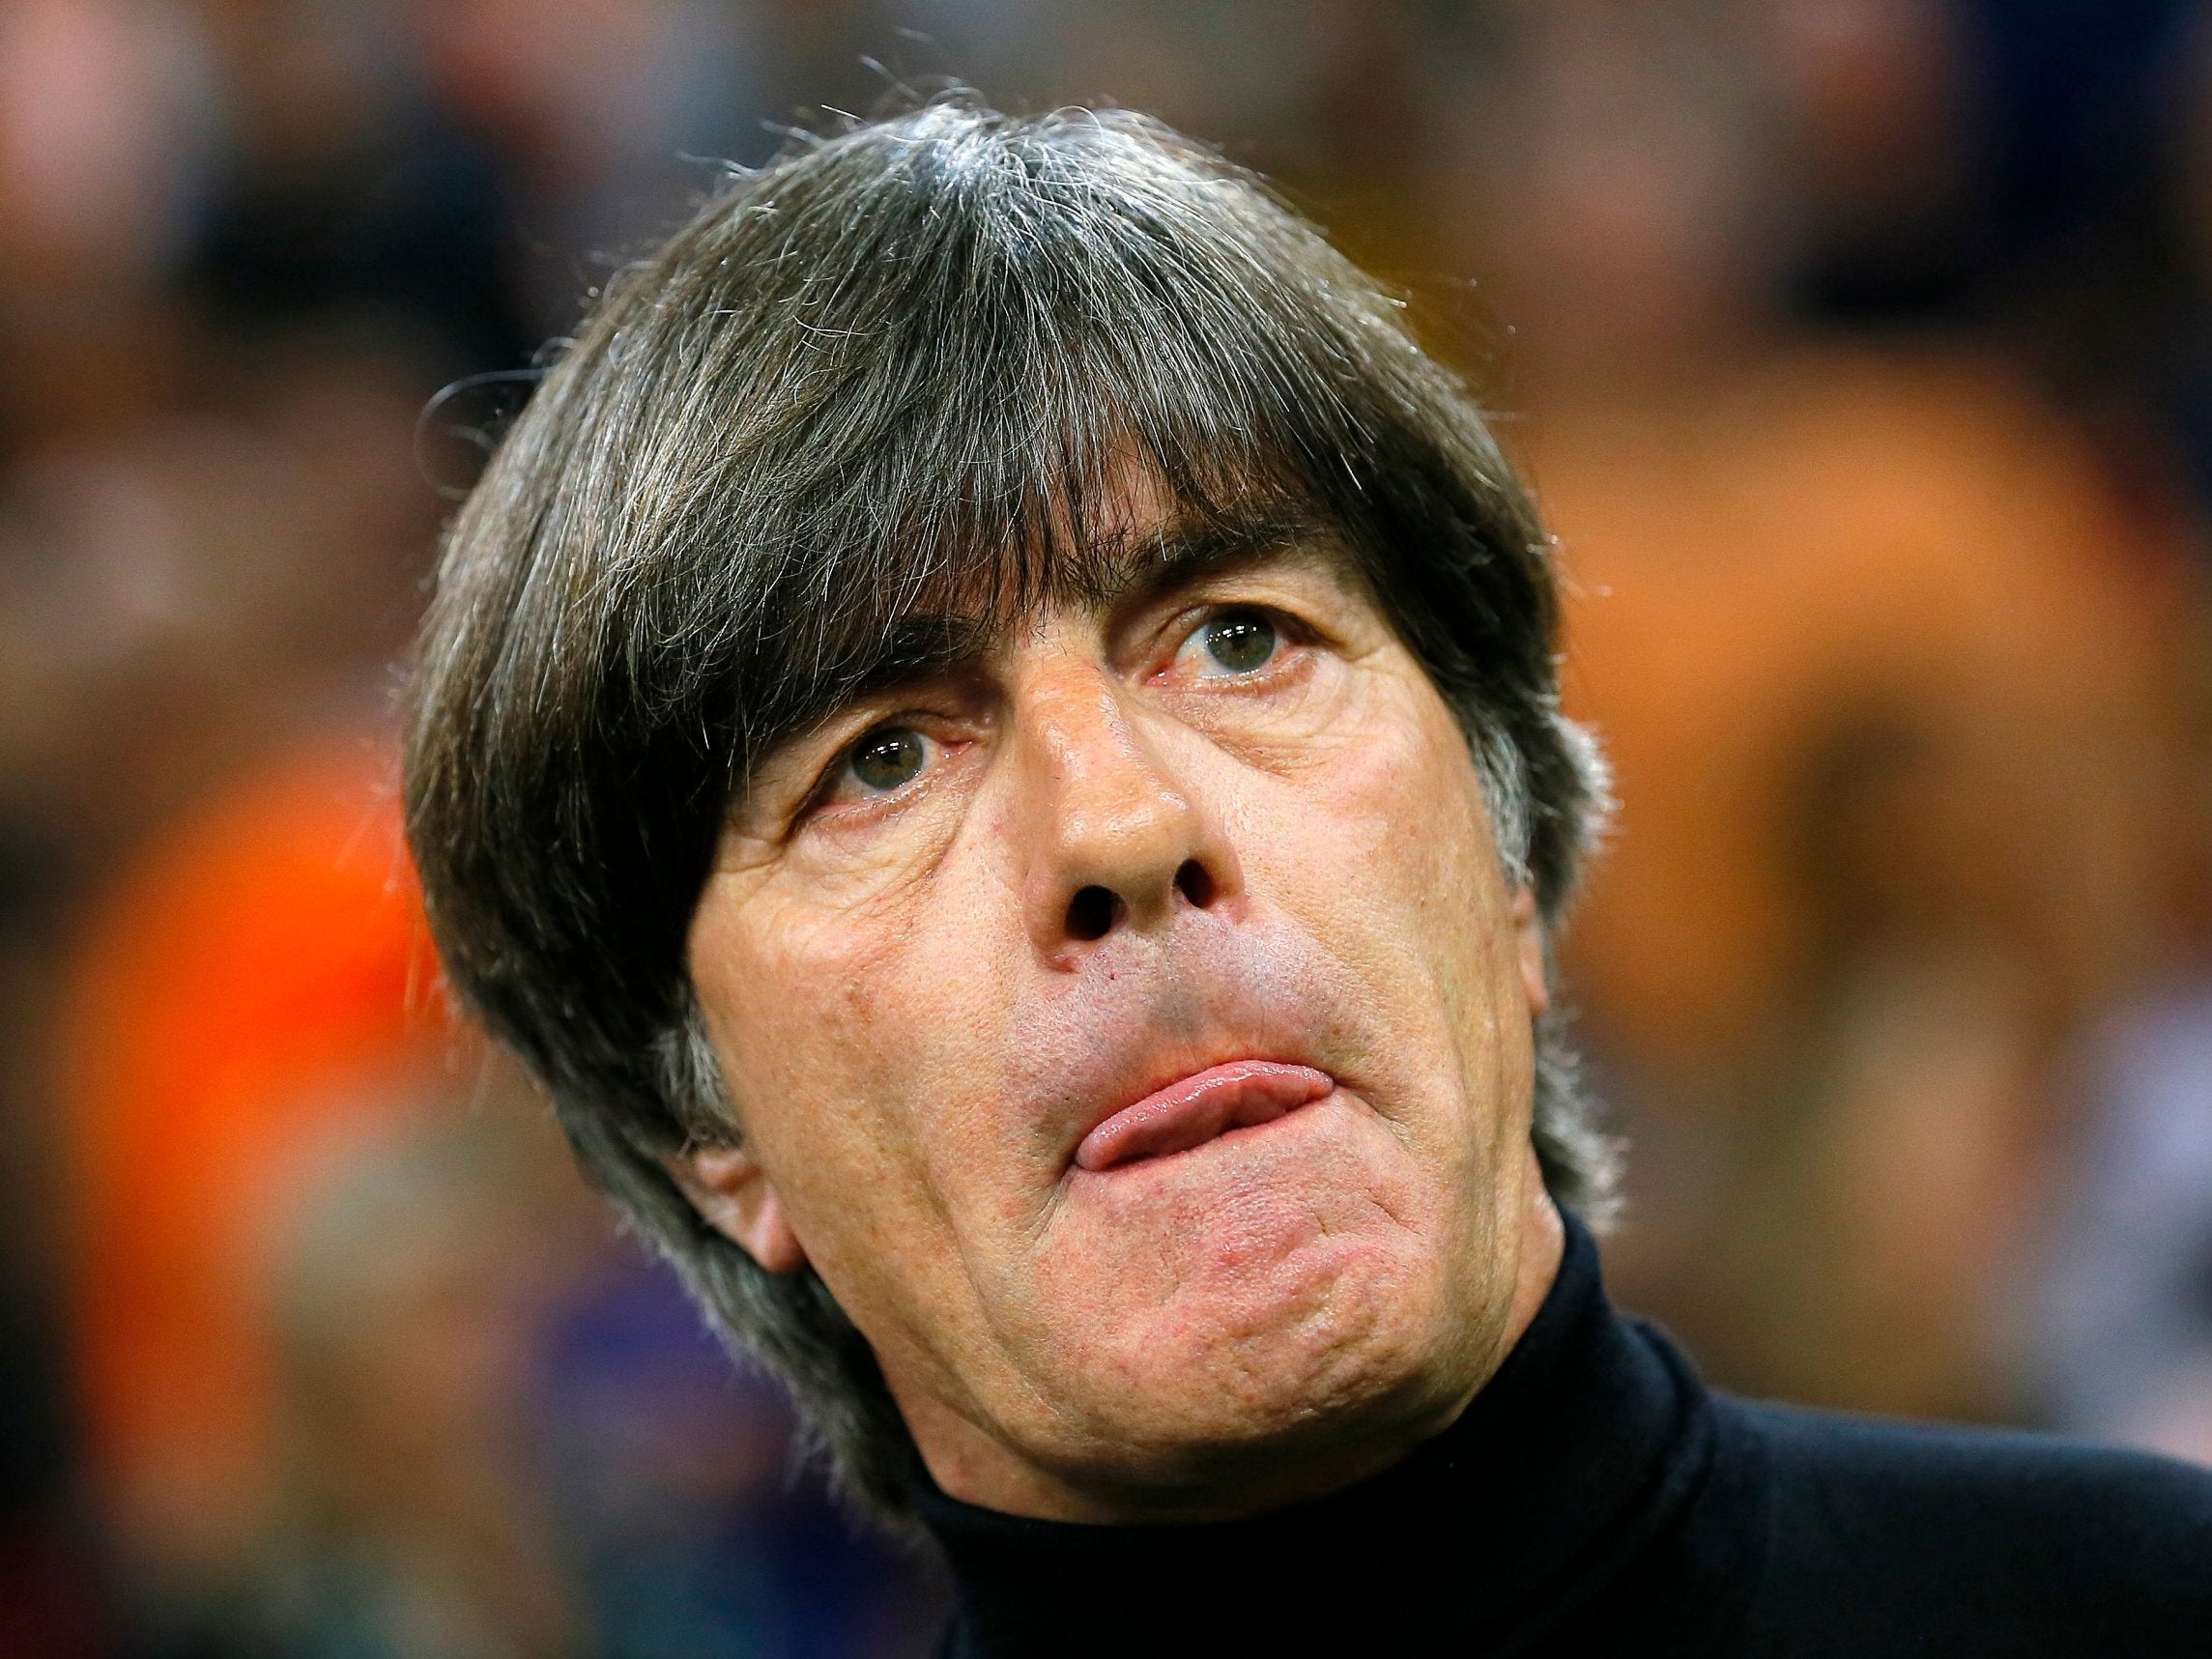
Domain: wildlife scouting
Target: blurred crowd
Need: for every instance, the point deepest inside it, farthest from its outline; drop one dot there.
(1860, 353)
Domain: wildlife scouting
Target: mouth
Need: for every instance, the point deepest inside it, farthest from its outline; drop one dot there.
(1203, 1107)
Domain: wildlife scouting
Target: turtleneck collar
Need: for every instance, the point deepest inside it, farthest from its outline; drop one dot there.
(1486, 1537)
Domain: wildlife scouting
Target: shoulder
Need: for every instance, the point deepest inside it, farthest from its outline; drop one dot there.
(1850, 1464)
(2025, 1541)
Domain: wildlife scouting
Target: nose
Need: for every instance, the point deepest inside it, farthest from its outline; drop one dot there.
(1115, 841)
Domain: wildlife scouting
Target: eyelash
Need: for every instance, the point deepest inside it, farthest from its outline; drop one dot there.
(1291, 634)
(818, 798)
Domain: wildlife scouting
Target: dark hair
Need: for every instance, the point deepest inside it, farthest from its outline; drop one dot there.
(872, 398)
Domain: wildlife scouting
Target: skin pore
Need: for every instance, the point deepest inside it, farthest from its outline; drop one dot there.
(1217, 814)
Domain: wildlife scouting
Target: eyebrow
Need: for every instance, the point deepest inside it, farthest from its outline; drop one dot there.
(1142, 566)
(1114, 573)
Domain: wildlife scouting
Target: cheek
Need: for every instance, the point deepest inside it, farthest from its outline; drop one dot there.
(1388, 835)
(1385, 856)
(852, 1042)
(794, 1004)
(837, 1028)
(1462, 913)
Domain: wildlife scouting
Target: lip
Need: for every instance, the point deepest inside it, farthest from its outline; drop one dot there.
(1202, 1107)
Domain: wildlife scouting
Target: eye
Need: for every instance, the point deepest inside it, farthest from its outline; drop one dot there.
(887, 758)
(1235, 642)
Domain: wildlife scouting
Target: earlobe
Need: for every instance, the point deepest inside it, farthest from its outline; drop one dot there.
(727, 1186)
(1528, 943)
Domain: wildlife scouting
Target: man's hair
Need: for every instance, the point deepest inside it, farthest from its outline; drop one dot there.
(875, 396)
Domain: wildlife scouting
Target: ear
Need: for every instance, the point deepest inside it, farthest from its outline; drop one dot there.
(1529, 942)
(727, 1186)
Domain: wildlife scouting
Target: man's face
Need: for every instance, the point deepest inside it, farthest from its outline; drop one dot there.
(1133, 1028)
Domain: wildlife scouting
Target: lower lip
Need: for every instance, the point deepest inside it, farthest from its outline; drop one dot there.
(1201, 1107)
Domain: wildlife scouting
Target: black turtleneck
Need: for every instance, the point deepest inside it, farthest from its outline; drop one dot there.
(1597, 1499)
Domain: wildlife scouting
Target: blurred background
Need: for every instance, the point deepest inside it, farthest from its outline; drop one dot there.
(1861, 352)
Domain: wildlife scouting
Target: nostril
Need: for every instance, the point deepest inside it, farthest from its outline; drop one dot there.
(1195, 883)
(1092, 913)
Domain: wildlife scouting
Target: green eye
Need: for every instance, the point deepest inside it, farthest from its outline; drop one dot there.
(1241, 642)
(887, 759)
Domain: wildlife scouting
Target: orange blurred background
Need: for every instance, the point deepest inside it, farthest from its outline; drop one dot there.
(1861, 352)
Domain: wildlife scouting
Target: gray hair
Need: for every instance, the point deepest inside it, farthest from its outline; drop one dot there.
(869, 401)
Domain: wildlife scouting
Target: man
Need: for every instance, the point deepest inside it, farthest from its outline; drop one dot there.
(991, 734)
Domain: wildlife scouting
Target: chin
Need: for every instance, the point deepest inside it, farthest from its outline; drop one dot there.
(1294, 1285)
(1241, 1413)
